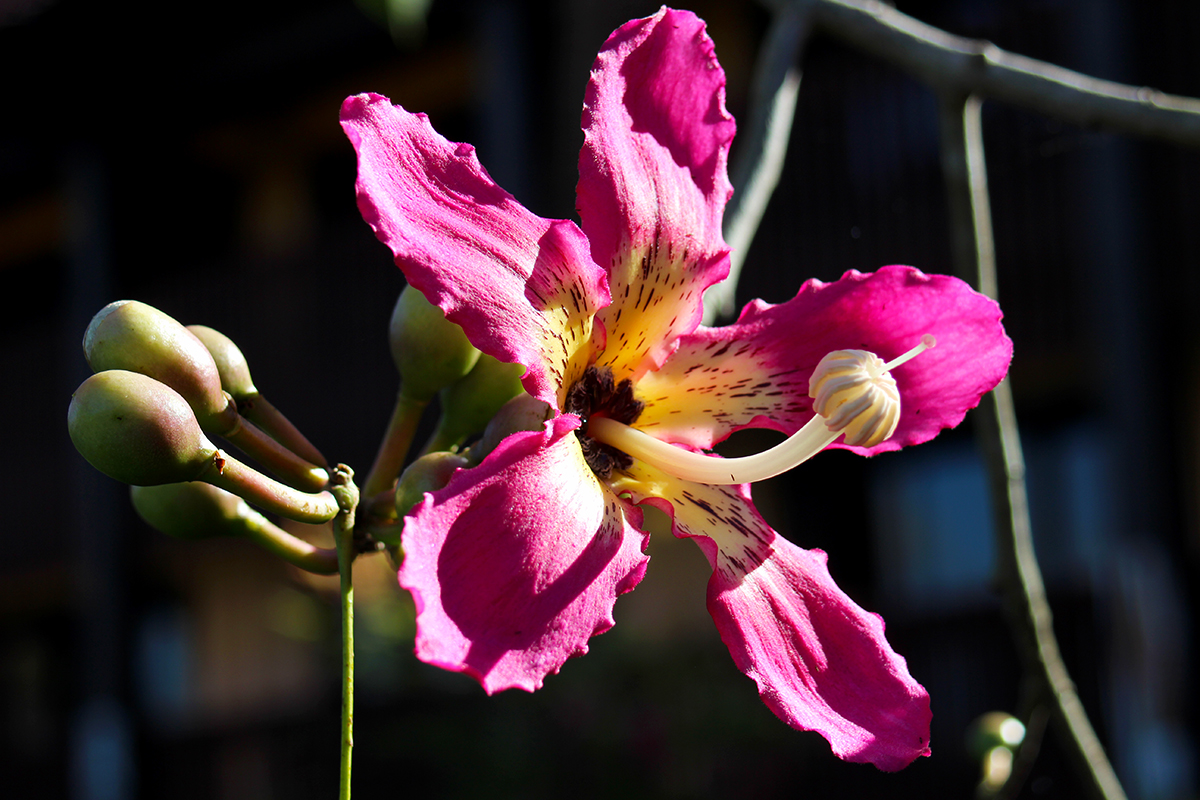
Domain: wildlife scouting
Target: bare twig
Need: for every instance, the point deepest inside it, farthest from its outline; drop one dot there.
(763, 147)
(1019, 576)
(951, 64)
(964, 66)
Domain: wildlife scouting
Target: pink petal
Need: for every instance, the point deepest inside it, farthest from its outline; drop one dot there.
(652, 181)
(523, 288)
(518, 562)
(755, 372)
(821, 662)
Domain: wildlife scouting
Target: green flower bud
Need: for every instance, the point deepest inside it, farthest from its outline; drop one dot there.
(427, 474)
(236, 380)
(469, 405)
(192, 510)
(137, 430)
(523, 413)
(231, 364)
(133, 336)
(430, 351)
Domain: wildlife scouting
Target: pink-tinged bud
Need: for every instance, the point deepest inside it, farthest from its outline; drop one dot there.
(137, 430)
(192, 510)
(133, 336)
(427, 474)
(523, 413)
(430, 351)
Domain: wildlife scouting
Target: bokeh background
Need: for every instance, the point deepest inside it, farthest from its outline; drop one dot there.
(189, 155)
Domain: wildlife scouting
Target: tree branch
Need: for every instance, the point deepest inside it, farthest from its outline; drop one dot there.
(971, 66)
(759, 164)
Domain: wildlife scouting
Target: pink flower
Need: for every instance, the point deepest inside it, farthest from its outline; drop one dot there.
(519, 561)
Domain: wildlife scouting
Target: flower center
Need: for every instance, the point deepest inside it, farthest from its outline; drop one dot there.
(596, 396)
(853, 394)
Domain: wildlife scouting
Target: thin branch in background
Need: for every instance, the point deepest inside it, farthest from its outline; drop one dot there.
(1018, 574)
(756, 171)
(971, 66)
(951, 64)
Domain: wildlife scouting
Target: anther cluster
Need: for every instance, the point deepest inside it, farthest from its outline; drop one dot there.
(596, 393)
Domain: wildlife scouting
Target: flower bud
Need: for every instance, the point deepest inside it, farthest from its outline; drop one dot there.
(430, 351)
(137, 430)
(523, 413)
(235, 379)
(427, 474)
(469, 405)
(231, 364)
(133, 336)
(192, 510)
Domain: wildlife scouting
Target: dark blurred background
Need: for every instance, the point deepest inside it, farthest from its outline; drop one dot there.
(190, 156)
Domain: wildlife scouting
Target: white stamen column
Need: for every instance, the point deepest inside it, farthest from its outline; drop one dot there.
(853, 394)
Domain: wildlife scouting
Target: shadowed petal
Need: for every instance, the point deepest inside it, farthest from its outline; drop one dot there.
(821, 662)
(523, 288)
(754, 373)
(653, 183)
(518, 562)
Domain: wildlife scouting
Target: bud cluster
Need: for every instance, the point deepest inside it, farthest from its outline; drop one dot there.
(164, 396)
(158, 392)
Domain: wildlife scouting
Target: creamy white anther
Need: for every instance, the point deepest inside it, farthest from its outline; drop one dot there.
(853, 394)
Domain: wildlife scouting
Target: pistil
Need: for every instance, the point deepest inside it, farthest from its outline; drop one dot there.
(853, 394)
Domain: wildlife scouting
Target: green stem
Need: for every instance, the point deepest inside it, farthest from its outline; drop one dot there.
(395, 445)
(256, 409)
(291, 549)
(291, 468)
(227, 473)
(343, 528)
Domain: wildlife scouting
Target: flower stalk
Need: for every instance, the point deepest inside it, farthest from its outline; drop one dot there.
(226, 472)
(290, 467)
(347, 495)
(196, 510)
(397, 441)
(235, 379)
(258, 410)
(295, 551)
